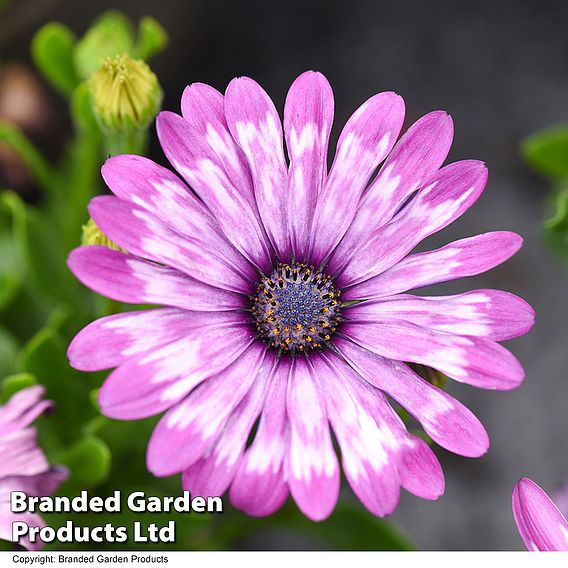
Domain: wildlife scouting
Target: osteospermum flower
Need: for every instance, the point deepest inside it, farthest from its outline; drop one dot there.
(23, 466)
(285, 286)
(541, 525)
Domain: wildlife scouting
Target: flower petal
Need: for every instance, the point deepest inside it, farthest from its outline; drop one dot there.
(493, 314)
(190, 427)
(444, 419)
(31, 519)
(254, 123)
(472, 360)
(41, 484)
(415, 158)
(420, 471)
(369, 447)
(126, 278)
(21, 454)
(445, 198)
(154, 380)
(541, 525)
(22, 409)
(37, 485)
(192, 156)
(208, 259)
(212, 475)
(260, 487)
(204, 108)
(156, 189)
(364, 143)
(308, 116)
(110, 341)
(312, 469)
(466, 257)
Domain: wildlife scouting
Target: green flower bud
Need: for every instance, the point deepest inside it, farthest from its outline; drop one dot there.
(126, 94)
(92, 235)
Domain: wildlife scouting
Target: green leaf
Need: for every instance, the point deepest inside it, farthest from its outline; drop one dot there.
(8, 352)
(85, 159)
(547, 152)
(350, 527)
(556, 228)
(52, 52)
(152, 38)
(88, 461)
(10, 273)
(9, 286)
(39, 247)
(111, 34)
(59, 317)
(559, 221)
(13, 383)
(81, 109)
(38, 166)
(93, 397)
(45, 356)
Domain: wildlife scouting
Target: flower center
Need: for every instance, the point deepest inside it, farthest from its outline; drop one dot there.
(296, 308)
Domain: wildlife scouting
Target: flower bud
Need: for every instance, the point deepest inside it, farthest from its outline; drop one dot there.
(126, 94)
(92, 235)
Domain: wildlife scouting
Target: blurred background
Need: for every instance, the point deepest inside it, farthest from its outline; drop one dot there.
(499, 68)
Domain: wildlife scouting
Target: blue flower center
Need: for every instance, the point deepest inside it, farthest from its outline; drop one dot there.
(296, 308)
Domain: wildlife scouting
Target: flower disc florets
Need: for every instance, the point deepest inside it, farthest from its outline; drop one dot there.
(296, 308)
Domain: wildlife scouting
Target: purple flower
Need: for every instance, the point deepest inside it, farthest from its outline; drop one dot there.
(285, 286)
(541, 525)
(24, 466)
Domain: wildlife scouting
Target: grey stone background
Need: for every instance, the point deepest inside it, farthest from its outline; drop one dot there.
(500, 68)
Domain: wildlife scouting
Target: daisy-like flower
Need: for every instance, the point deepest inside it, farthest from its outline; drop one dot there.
(24, 466)
(541, 525)
(285, 284)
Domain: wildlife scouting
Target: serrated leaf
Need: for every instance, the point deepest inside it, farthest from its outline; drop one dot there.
(12, 384)
(152, 38)
(52, 52)
(547, 152)
(111, 34)
(88, 461)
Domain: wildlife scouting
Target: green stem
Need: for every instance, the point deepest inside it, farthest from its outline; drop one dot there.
(133, 142)
(42, 171)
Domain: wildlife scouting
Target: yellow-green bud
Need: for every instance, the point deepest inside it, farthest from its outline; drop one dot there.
(92, 235)
(126, 94)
